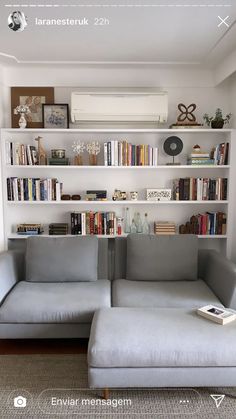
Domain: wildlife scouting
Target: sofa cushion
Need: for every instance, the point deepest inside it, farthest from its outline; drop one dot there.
(151, 258)
(144, 337)
(189, 294)
(68, 302)
(57, 259)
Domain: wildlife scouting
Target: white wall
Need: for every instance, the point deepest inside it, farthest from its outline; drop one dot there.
(233, 98)
(233, 110)
(1, 125)
(187, 85)
(184, 84)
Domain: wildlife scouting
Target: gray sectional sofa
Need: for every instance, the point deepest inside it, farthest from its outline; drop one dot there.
(53, 286)
(140, 293)
(152, 336)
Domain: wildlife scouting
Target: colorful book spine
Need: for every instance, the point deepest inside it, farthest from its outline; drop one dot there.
(33, 189)
(20, 154)
(209, 223)
(200, 189)
(122, 153)
(93, 223)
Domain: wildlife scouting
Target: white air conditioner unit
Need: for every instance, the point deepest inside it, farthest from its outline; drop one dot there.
(119, 107)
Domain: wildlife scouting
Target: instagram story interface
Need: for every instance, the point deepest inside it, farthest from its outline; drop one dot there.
(117, 209)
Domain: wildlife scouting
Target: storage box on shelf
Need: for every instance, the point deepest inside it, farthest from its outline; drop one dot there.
(128, 178)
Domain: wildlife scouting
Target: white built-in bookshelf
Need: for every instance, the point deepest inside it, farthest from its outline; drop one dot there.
(78, 179)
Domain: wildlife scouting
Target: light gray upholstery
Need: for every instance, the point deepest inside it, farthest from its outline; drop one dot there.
(53, 259)
(18, 246)
(181, 294)
(160, 258)
(143, 338)
(9, 273)
(69, 302)
(163, 377)
(220, 275)
(44, 330)
(120, 257)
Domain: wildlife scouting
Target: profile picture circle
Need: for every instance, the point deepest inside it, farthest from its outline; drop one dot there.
(17, 21)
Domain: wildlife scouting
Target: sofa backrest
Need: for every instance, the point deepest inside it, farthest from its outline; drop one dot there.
(150, 257)
(102, 260)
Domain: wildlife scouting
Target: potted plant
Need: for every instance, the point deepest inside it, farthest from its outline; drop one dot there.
(218, 120)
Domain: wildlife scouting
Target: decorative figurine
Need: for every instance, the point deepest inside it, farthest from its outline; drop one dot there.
(186, 117)
(119, 195)
(172, 147)
(93, 149)
(196, 149)
(78, 148)
(42, 155)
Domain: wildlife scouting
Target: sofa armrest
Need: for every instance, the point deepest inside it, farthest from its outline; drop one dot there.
(219, 274)
(9, 272)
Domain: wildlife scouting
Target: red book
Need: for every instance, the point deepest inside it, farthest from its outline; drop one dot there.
(91, 222)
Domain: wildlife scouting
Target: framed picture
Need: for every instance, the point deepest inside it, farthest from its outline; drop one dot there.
(56, 115)
(34, 97)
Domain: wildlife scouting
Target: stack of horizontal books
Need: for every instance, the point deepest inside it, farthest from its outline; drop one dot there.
(164, 228)
(96, 195)
(29, 229)
(58, 229)
(58, 162)
(200, 159)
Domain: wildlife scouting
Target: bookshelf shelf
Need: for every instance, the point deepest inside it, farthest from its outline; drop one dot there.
(123, 203)
(160, 167)
(20, 237)
(78, 179)
(119, 130)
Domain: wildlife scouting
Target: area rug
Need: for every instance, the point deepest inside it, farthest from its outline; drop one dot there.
(50, 386)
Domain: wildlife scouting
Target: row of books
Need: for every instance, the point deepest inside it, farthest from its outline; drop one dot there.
(122, 153)
(33, 189)
(200, 189)
(90, 222)
(209, 223)
(21, 154)
(218, 156)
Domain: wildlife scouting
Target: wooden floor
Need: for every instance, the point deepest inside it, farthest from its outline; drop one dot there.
(43, 346)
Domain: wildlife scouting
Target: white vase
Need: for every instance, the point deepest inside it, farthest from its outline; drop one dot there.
(22, 121)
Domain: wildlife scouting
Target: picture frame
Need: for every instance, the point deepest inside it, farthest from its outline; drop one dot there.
(55, 115)
(34, 97)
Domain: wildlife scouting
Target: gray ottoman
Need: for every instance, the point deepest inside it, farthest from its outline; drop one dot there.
(138, 347)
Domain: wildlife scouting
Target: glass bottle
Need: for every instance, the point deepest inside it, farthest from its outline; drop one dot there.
(133, 228)
(136, 218)
(119, 226)
(127, 221)
(139, 224)
(146, 227)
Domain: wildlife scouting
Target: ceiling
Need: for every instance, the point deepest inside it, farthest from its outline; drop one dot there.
(182, 32)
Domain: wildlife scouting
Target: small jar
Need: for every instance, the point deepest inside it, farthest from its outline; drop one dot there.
(134, 196)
